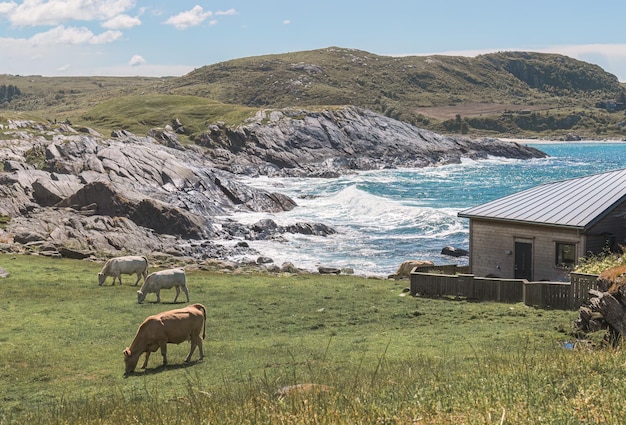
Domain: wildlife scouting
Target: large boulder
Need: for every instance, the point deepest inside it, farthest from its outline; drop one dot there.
(166, 137)
(454, 252)
(53, 189)
(406, 267)
(104, 196)
(169, 220)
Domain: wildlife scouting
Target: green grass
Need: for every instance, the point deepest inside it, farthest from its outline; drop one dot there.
(386, 358)
(139, 113)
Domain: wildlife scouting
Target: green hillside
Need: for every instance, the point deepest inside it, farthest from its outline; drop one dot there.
(428, 91)
(346, 76)
(503, 94)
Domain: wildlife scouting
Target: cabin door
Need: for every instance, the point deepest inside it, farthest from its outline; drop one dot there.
(523, 260)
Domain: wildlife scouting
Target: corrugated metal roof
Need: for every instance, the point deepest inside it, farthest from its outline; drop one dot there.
(577, 202)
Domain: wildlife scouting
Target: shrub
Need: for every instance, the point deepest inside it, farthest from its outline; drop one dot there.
(597, 263)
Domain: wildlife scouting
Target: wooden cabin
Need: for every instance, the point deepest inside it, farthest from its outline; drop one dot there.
(541, 233)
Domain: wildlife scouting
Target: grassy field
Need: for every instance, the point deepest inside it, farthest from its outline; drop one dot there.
(377, 356)
(141, 112)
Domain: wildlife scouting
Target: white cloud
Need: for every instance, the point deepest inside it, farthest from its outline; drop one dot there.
(7, 7)
(73, 35)
(53, 12)
(106, 37)
(136, 60)
(122, 22)
(286, 22)
(226, 12)
(189, 18)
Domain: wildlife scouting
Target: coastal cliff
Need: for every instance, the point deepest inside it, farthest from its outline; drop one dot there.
(76, 193)
(291, 142)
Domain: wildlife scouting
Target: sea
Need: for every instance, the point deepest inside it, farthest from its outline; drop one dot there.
(385, 217)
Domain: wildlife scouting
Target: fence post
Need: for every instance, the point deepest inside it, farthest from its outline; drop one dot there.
(466, 281)
(413, 281)
(525, 291)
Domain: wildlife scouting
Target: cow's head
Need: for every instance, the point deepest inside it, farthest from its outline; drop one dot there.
(140, 296)
(130, 361)
(101, 278)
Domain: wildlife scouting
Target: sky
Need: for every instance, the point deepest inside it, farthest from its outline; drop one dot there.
(173, 37)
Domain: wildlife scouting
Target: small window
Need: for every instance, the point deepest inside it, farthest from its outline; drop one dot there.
(565, 255)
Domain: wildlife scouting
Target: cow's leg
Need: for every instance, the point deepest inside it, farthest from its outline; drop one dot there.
(138, 277)
(186, 291)
(158, 294)
(194, 342)
(164, 352)
(145, 362)
(200, 347)
(177, 292)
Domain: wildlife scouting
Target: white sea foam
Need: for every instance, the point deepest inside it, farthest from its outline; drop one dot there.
(384, 217)
(373, 231)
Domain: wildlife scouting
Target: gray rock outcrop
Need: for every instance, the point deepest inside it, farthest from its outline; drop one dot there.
(331, 142)
(121, 194)
(85, 194)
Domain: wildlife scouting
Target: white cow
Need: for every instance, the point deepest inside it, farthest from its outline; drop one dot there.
(164, 279)
(116, 267)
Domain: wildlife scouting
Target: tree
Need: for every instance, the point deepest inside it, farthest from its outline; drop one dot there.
(9, 92)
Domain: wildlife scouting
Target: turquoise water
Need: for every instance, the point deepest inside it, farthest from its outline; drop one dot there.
(386, 217)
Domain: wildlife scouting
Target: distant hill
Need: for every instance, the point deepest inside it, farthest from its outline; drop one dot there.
(506, 94)
(336, 76)
(425, 90)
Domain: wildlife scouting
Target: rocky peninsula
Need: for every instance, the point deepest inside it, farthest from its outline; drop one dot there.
(73, 192)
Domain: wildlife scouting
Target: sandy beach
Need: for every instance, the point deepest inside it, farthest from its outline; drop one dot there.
(548, 141)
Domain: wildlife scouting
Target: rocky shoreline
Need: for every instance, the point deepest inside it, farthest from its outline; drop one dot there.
(73, 192)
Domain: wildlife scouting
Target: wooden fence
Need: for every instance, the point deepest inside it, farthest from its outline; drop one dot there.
(561, 295)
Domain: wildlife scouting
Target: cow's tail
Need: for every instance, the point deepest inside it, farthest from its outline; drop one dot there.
(145, 272)
(200, 306)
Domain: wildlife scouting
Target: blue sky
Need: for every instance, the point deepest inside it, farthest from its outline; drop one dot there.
(172, 37)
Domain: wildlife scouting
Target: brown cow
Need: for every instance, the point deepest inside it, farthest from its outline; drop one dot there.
(173, 327)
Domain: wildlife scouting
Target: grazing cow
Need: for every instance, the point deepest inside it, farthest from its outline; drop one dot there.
(116, 267)
(169, 327)
(164, 279)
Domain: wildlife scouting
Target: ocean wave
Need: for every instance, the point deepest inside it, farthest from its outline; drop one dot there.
(384, 217)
